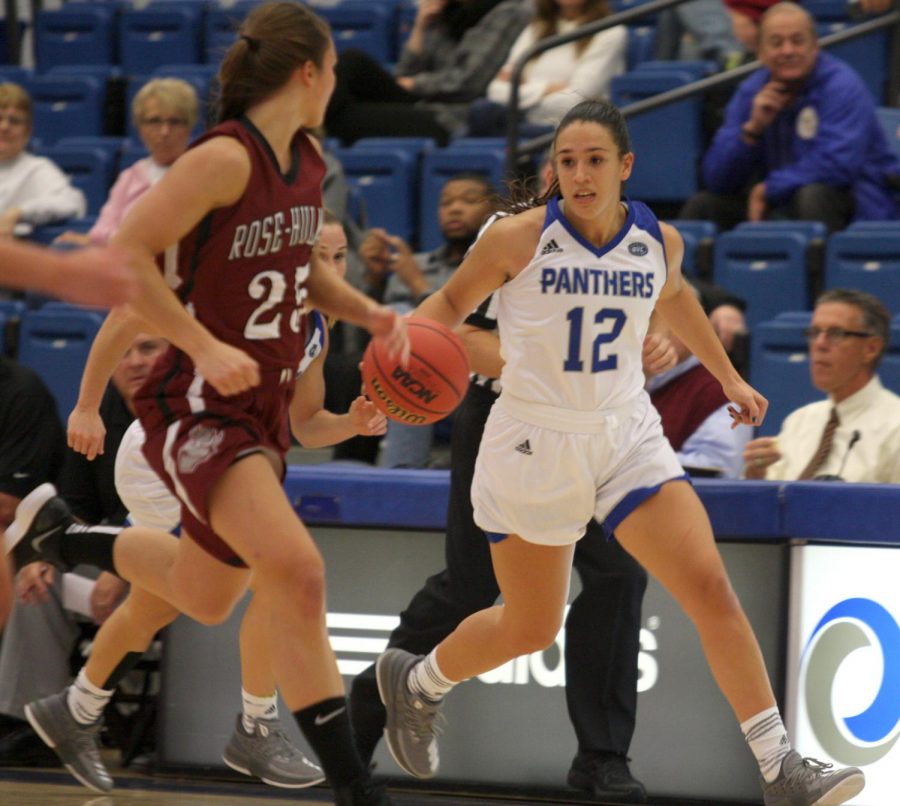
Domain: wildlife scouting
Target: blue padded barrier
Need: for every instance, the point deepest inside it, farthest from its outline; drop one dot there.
(334, 494)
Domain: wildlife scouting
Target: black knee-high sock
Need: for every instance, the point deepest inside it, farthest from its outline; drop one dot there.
(90, 545)
(326, 726)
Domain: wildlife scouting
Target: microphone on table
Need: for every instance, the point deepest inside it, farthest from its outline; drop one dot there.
(855, 437)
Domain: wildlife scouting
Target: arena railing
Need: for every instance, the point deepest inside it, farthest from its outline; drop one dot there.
(517, 149)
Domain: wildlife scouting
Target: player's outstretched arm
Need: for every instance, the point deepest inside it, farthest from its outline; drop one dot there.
(95, 276)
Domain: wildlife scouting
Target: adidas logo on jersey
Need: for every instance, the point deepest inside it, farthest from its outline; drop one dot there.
(525, 447)
(550, 247)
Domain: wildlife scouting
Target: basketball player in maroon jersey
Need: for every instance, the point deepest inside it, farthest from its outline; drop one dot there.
(231, 226)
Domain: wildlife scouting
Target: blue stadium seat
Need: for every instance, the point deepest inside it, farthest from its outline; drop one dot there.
(641, 43)
(386, 179)
(768, 269)
(112, 145)
(874, 226)
(11, 311)
(15, 74)
(699, 237)
(779, 367)
(437, 167)
(91, 170)
(665, 168)
(165, 33)
(889, 119)
(415, 145)
(55, 344)
(808, 229)
(220, 28)
(857, 259)
(64, 107)
(363, 25)
(868, 55)
(80, 36)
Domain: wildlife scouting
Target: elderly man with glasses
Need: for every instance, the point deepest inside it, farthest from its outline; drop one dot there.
(854, 434)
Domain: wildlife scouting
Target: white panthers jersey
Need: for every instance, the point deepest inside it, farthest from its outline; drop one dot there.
(572, 322)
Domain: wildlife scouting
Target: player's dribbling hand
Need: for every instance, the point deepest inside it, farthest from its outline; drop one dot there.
(748, 406)
(388, 326)
(86, 432)
(367, 420)
(227, 369)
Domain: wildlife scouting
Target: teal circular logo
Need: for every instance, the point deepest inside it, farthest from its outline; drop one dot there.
(850, 625)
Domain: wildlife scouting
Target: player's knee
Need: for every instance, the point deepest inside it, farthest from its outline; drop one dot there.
(716, 593)
(211, 610)
(302, 580)
(534, 635)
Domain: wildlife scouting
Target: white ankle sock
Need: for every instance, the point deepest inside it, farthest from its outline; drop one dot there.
(87, 701)
(257, 708)
(768, 740)
(427, 680)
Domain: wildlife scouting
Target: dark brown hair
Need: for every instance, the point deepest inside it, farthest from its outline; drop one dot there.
(274, 40)
(546, 19)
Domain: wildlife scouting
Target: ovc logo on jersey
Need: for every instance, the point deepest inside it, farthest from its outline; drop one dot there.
(850, 625)
(638, 248)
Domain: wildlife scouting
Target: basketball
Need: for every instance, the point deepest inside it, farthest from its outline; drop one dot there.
(433, 383)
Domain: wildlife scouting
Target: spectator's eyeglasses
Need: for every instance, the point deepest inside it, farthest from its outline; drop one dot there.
(833, 335)
(13, 120)
(158, 123)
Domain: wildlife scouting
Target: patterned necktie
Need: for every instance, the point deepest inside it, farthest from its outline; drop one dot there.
(824, 448)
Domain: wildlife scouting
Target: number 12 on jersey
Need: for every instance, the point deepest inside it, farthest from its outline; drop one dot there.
(575, 316)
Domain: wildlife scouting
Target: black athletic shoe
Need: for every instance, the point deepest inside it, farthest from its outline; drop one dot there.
(42, 518)
(607, 777)
(362, 793)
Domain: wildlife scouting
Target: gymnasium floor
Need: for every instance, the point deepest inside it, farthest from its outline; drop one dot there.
(56, 788)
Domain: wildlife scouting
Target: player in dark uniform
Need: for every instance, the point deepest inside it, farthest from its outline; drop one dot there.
(233, 223)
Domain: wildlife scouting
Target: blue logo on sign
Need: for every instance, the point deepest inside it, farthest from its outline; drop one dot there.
(846, 627)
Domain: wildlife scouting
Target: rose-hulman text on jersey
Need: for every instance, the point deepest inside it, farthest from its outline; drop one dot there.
(268, 235)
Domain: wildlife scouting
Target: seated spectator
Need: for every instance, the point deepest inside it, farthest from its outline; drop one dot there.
(800, 139)
(164, 112)
(557, 79)
(32, 446)
(454, 50)
(405, 279)
(853, 435)
(41, 634)
(746, 14)
(700, 29)
(33, 191)
(694, 414)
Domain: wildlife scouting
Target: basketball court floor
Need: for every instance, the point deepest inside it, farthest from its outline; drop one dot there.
(56, 788)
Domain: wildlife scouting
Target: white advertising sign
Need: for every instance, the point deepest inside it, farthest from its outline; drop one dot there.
(843, 697)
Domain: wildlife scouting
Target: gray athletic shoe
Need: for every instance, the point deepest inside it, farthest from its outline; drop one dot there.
(75, 744)
(807, 782)
(410, 730)
(269, 755)
(42, 518)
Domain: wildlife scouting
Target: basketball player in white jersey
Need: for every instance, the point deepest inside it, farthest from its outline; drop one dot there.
(573, 436)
